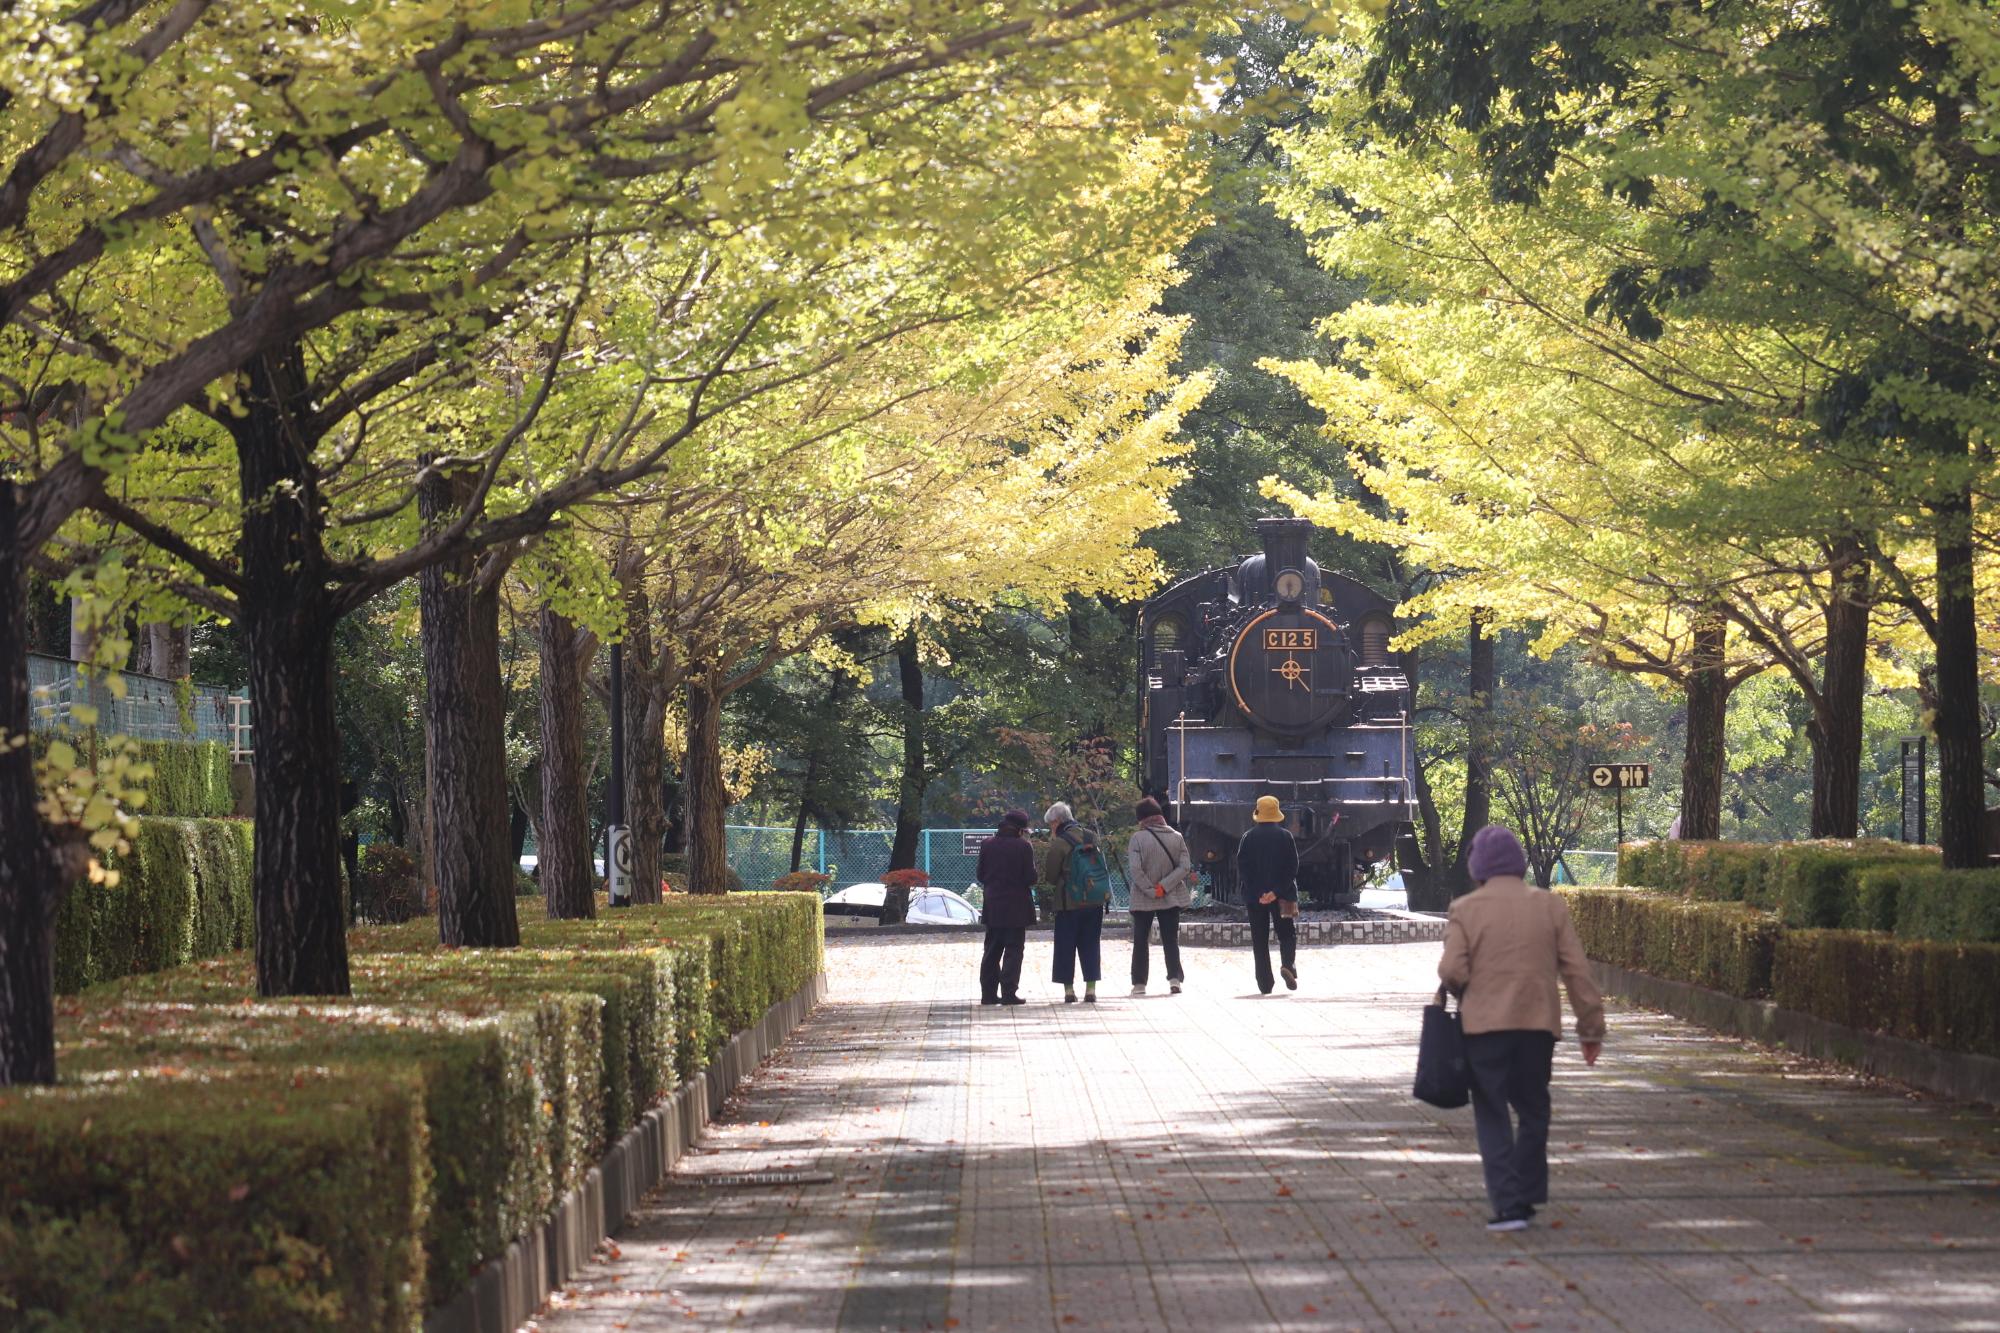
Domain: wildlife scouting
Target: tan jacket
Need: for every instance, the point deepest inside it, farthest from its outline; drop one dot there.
(1158, 855)
(1504, 947)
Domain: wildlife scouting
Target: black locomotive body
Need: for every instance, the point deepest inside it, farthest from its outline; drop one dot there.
(1269, 677)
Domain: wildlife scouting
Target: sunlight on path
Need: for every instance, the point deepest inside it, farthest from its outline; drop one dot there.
(1220, 1161)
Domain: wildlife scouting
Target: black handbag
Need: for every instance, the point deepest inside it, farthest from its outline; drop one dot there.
(1443, 1077)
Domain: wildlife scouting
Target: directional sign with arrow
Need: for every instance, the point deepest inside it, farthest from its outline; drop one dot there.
(1621, 776)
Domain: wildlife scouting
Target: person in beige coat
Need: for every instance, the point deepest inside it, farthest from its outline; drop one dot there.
(1504, 948)
(1161, 875)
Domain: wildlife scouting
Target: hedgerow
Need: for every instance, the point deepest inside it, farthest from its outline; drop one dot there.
(521, 1066)
(182, 893)
(215, 1199)
(1721, 946)
(1944, 994)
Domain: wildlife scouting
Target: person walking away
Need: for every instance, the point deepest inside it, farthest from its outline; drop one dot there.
(1267, 868)
(1505, 945)
(1161, 873)
(1006, 877)
(1079, 900)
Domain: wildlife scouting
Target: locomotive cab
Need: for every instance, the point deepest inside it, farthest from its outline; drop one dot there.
(1269, 677)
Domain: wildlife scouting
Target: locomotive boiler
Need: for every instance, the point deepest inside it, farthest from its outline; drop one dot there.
(1271, 677)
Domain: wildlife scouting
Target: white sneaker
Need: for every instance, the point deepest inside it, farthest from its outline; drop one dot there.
(1138, 990)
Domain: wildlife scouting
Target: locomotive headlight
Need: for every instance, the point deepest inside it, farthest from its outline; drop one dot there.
(1290, 585)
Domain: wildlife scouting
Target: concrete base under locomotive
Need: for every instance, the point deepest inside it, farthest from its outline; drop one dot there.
(1267, 678)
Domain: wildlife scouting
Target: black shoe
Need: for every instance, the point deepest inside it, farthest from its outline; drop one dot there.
(1263, 990)
(1514, 1219)
(989, 999)
(1069, 997)
(1291, 976)
(1090, 997)
(1012, 999)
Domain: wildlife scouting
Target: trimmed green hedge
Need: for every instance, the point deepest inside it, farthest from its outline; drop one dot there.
(1815, 883)
(1722, 946)
(1927, 903)
(1809, 884)
(183, 893)
(190, 779)
(1725, 872)
(169, 1199)
(522, 1065)
(1944, 995)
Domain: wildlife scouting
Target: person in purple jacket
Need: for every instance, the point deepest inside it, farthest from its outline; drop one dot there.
(1007, 875)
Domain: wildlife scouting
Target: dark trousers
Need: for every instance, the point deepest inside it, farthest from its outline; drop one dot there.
(1078, 931)
(1000, 967)
(1262, 918)
(1511, 1069)
(1142, 943)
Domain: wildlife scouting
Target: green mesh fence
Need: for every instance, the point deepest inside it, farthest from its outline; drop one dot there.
(950, 856)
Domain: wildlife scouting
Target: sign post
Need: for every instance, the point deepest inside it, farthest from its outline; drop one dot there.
(1915, 807)
(1618, 777)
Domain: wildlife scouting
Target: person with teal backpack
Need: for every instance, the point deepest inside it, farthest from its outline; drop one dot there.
(1078, 880)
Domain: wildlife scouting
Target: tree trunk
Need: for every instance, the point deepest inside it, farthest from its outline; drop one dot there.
(805, 798)
(466, 749)
(161, 649)
(1961, 768)
(1707, 706)
(80, 633)
(1835, 728)
(910, 791)
(565, 847)
(518, 824)
(645, 747)
(1479, 686)
(32, 877)
(707, 799)
(288, 620)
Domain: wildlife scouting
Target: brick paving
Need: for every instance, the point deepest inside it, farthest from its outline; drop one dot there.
(1219, 1161)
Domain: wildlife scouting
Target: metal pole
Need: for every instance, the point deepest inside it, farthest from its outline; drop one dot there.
(618, 853)
(1621, 816)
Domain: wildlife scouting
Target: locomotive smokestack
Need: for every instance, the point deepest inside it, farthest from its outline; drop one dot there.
(1284, 541)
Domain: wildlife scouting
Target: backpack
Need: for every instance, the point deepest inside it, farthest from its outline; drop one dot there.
(1088, 883)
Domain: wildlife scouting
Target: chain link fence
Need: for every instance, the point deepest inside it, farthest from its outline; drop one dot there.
(151, 709)
(950, 856)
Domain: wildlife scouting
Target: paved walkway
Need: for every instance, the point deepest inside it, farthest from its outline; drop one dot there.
(1218, 1161)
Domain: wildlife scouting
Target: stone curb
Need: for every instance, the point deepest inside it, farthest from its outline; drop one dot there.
(1313, 930)
(508, 1291)
(1955, 1074)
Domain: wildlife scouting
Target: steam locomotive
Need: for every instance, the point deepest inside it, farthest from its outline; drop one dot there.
(1269, 677)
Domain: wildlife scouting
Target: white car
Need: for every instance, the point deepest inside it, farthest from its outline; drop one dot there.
(1389, 893)
(928, 906)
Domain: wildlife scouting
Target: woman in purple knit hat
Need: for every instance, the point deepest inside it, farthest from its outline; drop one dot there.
(1504, 948)
(1007, 878)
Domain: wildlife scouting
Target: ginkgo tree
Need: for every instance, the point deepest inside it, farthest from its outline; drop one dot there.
(1029, 469)
(1597, 404)
(277, 222)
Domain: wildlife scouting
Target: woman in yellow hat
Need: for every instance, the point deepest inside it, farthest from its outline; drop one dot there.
(1267, 869)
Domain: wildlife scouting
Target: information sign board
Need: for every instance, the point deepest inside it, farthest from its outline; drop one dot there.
(1915, 807)
(1622, 777)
